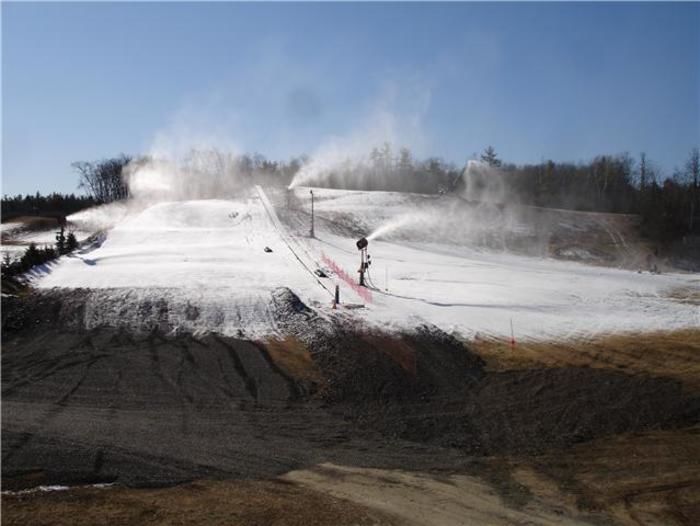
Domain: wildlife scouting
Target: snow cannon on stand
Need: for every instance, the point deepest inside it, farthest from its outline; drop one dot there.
(365, 260)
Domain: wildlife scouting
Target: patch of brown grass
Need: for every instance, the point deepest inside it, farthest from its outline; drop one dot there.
(211, 503)
(670, 354)
(650, 478)
(294, 358)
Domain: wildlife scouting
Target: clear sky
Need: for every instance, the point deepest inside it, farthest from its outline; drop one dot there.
(86, 81)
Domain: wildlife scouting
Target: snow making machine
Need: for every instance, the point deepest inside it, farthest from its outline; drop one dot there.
(365, 260)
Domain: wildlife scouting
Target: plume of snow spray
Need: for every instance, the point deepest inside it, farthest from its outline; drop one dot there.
(483, 183)
(401, 222)
(182, 164)
(99, 217)
(482, 186)
(391, 121)
(348, 152)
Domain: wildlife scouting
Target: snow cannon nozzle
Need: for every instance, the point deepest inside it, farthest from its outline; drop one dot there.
(362, 243)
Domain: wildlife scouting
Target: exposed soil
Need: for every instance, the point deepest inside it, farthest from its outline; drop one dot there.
(147, 409)
(647, 478)
(212, 503)
(420, 499)
(447, 397)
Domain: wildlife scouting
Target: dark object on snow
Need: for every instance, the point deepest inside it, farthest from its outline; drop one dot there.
(320, 273)
(267, 249)
(364, 259)
(71, 242)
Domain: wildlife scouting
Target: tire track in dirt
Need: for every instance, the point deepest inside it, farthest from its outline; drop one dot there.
(52, 413)
(177, 384)
(47, 367)
(248, 381)
(292, 386)
(184, 357)
(262, 378)
(62, 401)
(201, 370)
(155, 359)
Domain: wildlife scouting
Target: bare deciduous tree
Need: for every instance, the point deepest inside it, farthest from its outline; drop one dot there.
(103, 180)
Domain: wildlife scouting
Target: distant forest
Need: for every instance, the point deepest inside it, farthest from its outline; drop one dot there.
(669, 204)
(51, 205)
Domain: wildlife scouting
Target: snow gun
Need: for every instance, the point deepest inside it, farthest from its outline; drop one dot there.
(365, 260)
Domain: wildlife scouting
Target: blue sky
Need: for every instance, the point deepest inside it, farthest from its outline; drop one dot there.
(86, 81)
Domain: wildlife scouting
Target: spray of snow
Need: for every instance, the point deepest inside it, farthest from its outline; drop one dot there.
(484, 183)
(191, 158)
(99, 217)
(194, 157)
(403, 221)
(391, 120)
(346, 152)
(483, 187)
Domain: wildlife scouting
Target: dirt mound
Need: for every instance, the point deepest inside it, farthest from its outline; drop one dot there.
(428, 387)
(535, 410)
(372, 367)
(107, 404)
(290, 313)
(151, 408)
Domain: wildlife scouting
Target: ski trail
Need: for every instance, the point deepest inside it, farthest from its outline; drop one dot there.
(288, 241)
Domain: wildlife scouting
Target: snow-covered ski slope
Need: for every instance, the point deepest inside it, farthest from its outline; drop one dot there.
(202, 264)
(428, 270)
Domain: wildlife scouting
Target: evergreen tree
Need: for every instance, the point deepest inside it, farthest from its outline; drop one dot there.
(642, 170)
(405, 160)
(48, 253)
(71, 242)
(31, 257)
(490, 157)
(61, 242)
